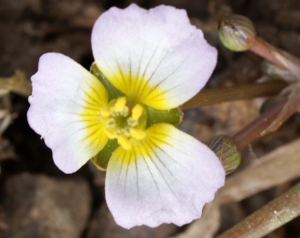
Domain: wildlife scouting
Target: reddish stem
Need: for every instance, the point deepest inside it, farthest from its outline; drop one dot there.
(277, 56)
(254, 130)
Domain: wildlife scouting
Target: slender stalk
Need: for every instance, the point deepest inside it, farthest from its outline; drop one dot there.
(255, 129)
(273, 215)
(277, 56)
(233, 93)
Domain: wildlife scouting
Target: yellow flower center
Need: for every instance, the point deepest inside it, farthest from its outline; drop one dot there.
(123, 121)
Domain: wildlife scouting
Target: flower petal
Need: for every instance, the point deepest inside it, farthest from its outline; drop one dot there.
(64, 105)
(167, 178)
(155, 57)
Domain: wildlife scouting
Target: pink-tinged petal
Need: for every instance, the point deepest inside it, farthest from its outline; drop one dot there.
(155, 57)
(166, 178)
(64, 108)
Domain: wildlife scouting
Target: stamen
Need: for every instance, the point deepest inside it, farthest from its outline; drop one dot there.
(111, 123)
(120, 104)
(132, 122)
(124, 111)
(136, 112)
(127, 131)
(119, 131)
(124, 142)
(113, 112)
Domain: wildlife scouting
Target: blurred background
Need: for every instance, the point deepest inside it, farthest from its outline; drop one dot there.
(38, 200)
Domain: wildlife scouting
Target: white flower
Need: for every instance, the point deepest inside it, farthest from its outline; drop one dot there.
(156, 59)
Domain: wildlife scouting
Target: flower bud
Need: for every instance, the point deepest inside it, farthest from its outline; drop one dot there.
(226, 149)
(236, 32)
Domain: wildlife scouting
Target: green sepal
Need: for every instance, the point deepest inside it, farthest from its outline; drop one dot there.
(173, 116)
(112, 91)
(101, 159)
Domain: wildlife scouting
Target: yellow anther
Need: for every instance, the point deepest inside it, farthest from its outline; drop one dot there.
(111, 134)
(132, 122)
(126, 131)
(136, 112)
(104, 112)
(124, 111)
(124, 142)
(137, 133)
(120, 104)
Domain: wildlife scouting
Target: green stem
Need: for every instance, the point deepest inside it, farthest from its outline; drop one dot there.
(273, 215)
(233, 93)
